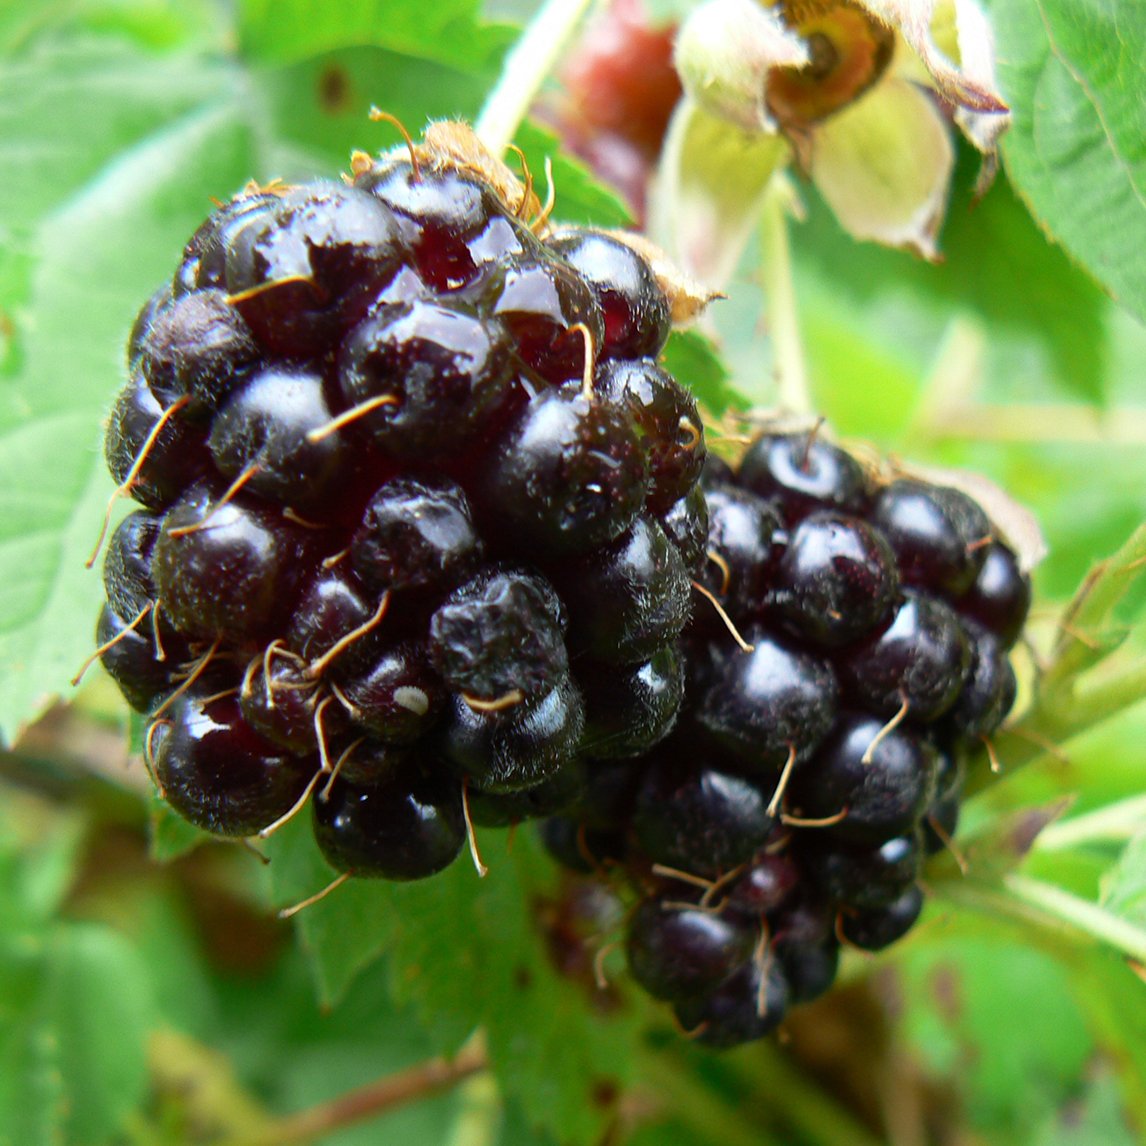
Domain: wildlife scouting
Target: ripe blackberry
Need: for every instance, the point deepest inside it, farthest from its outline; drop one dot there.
(764, 703)
(398, 443)
(801, 473)
(856, 652)
(699, 819)
(748, 1007)
(438, 372)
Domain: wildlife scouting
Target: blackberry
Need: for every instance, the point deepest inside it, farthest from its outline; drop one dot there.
(855, 654)
(399, 445)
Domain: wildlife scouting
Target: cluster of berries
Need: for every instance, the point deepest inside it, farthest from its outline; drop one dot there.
(857, 653)
(417, 529)
(423, 524)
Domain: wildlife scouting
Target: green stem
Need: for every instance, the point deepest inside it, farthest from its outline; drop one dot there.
(686, 1097)
(1117, 822)
(792, 390)
(526, 66)
(1087, 917)
(799, 1102)
(1106, 697)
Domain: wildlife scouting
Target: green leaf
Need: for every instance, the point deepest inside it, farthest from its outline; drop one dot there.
(1074, 71)
(171, 835)
(694, 361)
(580, 197)
(315, 109)
(97, 260)
(1000, 1018)
(1124, 888)
(1094, 1117)
(75, 1003)
(448, 31)
(467, 954)
(997, 266)
(98, 1009)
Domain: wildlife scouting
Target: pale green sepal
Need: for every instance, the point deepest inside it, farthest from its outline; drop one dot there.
(710, 185)
(884, 166)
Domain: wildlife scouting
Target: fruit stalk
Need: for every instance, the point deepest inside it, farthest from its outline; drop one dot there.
(531, 59)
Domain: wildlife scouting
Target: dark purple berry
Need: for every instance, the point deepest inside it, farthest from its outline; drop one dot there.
(667, 419)
(198, 347)
(220, 774)
(699, 819)
(406, 824)
(836, 580)
(920, 660)
(629, 708)
(127, 565)
(938, 533)
(879, 927)
(416, 535)
(553, 795)
(451, 223)
(686, 524)
(764, 703)
(226, 571)
(767, 883)
(395, 696)
(132, 661)
(551, 314)
(1000, 597)
(518, 746)
(989, 690)
(678, 953)
(567, 476)
(628, 599)
(332, 605)
(809, 968)
(309, 268)
(802, 473)
(279, 701)
(748, 1007)
(499, 634)
(744, 542)
(175, 458)
(635, 310)
(864, 876)
(442, 373)
(881, 786)
(272, 428)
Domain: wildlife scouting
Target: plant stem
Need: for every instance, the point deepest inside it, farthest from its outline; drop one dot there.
(1088, 917)
(800, 1103)
(385, 1094)
(526, 66)
(793, 395)
(1117, 822)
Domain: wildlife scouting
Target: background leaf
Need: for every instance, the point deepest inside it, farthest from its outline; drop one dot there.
(1074, 72)
(466, 954)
